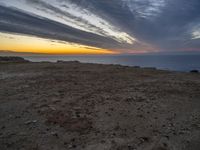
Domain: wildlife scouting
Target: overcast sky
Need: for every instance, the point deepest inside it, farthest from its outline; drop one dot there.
(119, 25)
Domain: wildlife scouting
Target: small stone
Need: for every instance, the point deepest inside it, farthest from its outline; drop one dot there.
(54, 134)
(30, 122)
(73, 139)
(52, 108)
(144, 139)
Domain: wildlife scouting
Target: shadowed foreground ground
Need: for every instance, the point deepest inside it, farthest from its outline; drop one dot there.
(61, 106)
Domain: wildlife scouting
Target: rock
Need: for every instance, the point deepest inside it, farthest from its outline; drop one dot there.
(144, 139)
(30, 122)
(72, 146)
(52, 108)
(194, 71)
(54, 134)
(136, 66)
(150, 68)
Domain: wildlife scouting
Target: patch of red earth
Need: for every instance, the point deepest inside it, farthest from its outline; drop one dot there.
(78, 124)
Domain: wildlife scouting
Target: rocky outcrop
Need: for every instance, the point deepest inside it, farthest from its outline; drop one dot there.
(194, 71)
(12, 59)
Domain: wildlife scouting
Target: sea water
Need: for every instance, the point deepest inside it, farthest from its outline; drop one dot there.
(166, 62)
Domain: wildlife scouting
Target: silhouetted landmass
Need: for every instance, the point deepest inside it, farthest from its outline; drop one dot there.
(62, 61)
(10, 59)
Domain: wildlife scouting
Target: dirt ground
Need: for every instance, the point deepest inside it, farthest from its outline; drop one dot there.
(64, 106)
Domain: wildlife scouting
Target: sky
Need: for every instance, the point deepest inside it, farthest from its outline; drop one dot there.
(99, 26)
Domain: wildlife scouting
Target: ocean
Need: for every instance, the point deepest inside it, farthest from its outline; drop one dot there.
(183, 63)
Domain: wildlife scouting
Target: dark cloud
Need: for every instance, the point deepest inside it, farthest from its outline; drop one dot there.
(166, 25)
(172, 28)
(12, 20)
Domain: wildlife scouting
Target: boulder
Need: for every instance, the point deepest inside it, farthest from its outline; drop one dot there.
(194, 71)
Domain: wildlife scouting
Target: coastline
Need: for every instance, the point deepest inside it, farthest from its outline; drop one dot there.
(183, 63)
(72, 105)
(164, 62)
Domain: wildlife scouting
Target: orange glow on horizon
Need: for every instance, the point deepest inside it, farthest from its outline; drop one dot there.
(30, 44)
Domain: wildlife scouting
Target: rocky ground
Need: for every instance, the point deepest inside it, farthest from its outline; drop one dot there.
(64, 106)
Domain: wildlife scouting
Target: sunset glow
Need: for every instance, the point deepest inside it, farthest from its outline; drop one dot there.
(22, 43)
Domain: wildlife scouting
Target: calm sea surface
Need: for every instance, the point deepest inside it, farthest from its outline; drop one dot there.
(167, 62)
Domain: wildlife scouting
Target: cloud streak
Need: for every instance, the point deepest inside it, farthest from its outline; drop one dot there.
(121, 25)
